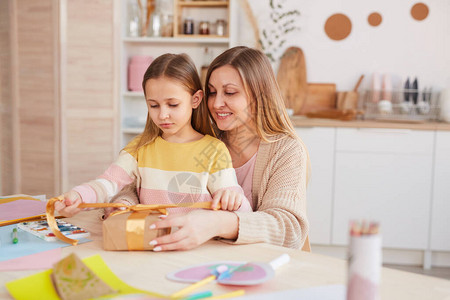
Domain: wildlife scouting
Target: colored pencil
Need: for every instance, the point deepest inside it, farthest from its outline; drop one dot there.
(187, 290)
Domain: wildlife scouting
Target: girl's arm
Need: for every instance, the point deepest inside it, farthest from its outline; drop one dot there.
(223, 185)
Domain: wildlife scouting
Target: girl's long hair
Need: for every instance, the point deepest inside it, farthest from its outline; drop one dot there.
(268, 109)
(178, 67)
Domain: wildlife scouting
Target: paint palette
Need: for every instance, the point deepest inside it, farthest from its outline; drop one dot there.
(43, 231)
(239, 272)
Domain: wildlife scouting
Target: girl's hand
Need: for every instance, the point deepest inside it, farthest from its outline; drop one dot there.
(195, 228)
(110, 210)
(229, 200)
(69, 207)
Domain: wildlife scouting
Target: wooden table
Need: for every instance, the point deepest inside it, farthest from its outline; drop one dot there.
(147, 270)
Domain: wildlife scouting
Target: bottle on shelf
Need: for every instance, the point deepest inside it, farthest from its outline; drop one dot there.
(134, 19)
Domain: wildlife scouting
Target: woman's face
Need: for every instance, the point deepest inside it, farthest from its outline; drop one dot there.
(227, 101)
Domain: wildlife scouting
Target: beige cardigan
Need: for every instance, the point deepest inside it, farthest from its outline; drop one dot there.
(279, 195)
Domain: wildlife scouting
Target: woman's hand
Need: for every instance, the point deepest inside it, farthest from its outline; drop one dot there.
(195, 228)
(69, 206)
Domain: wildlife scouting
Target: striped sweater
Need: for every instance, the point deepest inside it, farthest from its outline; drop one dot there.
(168, 173)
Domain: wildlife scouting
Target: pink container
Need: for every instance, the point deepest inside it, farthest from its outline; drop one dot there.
(136, 70)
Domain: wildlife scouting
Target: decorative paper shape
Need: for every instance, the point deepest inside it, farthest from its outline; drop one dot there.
(28, 244)
(41, 260)
(73, 280)
(374, 19)
(244, 274)
(338, 27)
(419, 11)
(11, 210)
(41, 283)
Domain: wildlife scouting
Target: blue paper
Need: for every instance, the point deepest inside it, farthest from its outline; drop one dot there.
(28, 243)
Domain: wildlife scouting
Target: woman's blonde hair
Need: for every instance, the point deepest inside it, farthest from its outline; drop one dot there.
(269, 113)
(178, 67)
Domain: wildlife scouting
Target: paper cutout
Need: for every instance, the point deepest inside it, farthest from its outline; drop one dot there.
(73, 280)
(245, 274)
(42, 260)
(28, 244)
(41, 283)
(21, 209)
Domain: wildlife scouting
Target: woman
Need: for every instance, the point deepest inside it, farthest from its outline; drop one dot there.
(271, 163)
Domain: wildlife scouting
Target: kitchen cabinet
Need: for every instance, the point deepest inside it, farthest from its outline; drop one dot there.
(320, 143)
(384, 175)
(440, 210)
(132, 105)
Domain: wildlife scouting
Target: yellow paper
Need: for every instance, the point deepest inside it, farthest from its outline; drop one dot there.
(40, 286)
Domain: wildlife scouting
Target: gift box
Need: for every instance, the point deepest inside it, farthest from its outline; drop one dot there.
(130, 230)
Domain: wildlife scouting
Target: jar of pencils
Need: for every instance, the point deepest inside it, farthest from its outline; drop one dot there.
(364, 261)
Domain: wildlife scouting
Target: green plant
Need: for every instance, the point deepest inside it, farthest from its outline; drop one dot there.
(282, 22)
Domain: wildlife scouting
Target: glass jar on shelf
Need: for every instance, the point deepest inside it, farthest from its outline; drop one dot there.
(221, 27)
(188, 26)
(203, 27)
(134, 20)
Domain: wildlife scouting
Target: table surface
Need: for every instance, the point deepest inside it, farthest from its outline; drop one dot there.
(146, 269)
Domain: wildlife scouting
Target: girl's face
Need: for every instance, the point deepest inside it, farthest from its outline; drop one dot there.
(170, 107)
(227, 101)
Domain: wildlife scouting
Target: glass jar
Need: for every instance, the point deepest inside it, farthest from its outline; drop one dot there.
(203, 27)
(221, 27)
(188, 27)
(134, 21)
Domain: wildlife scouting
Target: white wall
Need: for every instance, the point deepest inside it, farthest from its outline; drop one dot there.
(400, 45)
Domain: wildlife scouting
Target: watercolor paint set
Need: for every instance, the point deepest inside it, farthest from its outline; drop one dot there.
(42, 230)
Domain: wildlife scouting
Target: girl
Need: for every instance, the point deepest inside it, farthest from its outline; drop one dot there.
(271, 162)
(176, 159)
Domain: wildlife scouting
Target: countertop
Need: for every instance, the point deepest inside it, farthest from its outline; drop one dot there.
(302, 121)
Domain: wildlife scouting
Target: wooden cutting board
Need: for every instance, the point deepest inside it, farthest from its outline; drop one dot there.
(320, 96)
(291, 78)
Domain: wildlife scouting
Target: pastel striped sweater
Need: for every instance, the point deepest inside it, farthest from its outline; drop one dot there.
(168, 173)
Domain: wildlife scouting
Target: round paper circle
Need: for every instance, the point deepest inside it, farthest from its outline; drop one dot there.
(338, 27)
(375, 19)
(419, 11)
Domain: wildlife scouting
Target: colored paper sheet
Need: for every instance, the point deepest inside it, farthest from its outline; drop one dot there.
(21, 209)
(41, 283)
(28, 244)
(38, 261)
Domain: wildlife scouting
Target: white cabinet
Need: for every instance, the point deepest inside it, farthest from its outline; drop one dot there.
(384, 175)
(440, 212)
(133, 109)
(320, 142)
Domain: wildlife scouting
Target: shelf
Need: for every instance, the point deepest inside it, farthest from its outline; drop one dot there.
(132, 130)
(222, 3)
(133, 94)
(180, 39)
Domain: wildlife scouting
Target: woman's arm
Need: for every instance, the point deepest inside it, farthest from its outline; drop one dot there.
(195, 228)
(280, 218)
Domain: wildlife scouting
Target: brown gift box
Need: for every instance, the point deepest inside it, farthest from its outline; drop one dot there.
(116, 236)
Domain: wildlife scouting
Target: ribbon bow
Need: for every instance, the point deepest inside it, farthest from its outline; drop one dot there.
(162, 208)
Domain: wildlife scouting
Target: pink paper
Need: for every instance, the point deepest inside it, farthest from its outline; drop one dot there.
(40, 260)
(21, 209)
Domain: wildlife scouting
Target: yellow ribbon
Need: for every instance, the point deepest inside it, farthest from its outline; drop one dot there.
(139, 212)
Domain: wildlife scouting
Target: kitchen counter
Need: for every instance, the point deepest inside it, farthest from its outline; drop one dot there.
(302, 121)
